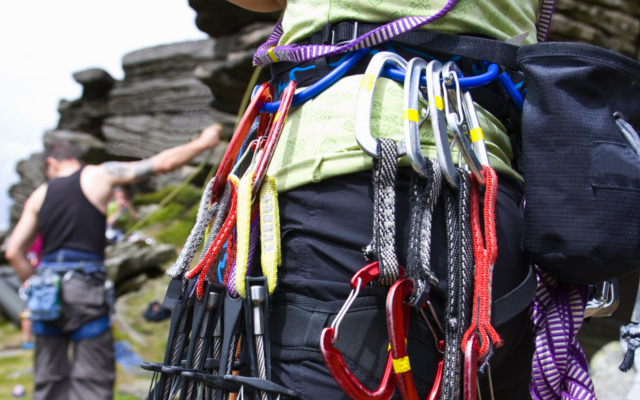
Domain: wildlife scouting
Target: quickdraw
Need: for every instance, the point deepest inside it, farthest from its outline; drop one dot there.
(334, 359)
(485, 250)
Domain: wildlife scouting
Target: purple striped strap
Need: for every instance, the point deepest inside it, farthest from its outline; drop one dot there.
(560, 369)
(544, 22)
(270, 52)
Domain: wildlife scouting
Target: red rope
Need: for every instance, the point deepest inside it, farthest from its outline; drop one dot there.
(203, 266)
(485, 251)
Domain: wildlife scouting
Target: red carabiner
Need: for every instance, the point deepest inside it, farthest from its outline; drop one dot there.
(437, 382)
(334, 359)
(471, 351)
(263, 95)
(277, 124)
(398, 325)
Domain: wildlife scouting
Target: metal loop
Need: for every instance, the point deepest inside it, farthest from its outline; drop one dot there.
(365, 101)
(415, 69)
(453, 77)
(344, 310)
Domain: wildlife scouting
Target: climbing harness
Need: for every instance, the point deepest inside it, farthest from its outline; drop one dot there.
(220, 323)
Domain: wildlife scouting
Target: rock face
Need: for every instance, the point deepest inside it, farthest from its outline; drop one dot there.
(219, 17)
(162, 102)
(31, 173)
(613, 24)
(126, 260)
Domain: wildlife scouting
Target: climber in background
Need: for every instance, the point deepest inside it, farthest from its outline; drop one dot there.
(73, 302)
(119, 212)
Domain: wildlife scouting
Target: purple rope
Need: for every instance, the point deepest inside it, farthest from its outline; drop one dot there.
(560, 368)
(254, 236)
(385, 33)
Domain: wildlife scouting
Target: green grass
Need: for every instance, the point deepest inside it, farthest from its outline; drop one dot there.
(187, 196)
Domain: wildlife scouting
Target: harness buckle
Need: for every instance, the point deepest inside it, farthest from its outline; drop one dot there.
(355, 36)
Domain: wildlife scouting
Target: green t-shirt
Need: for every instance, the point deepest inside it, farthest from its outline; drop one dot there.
(318, 140)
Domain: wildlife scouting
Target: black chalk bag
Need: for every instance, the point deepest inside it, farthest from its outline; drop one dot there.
(581, 161)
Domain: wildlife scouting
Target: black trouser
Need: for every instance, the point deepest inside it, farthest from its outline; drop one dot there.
(324, 228)
(90, 375)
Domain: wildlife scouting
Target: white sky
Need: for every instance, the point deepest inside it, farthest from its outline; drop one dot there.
(42, 42)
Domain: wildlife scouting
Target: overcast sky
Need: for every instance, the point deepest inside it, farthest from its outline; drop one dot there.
(42, 42)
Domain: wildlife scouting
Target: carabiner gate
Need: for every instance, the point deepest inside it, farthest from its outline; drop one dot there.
(365, 102)
(334, 359)
(455, 120)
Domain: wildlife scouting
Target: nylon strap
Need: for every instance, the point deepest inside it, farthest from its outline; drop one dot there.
(423, 198)
(383, 244)
(205, 213)
(271, 256)
(243, 225)
(270, 52)
(459, 280)
(221, 231)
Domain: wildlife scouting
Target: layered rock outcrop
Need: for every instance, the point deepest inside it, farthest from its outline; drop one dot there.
(168, 95)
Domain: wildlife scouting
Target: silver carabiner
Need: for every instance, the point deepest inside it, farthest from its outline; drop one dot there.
(411, 118)
(475, 131)
(438, 123)
(454, 121)
(605, 300)
(365, 102)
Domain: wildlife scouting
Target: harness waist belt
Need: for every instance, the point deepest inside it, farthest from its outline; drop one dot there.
(478, 48)
(87, 331)
(82, 266)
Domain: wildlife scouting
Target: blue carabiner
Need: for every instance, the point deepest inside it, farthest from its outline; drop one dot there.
(390, 73)
(468, 82)
(318, 87)
(512, 91)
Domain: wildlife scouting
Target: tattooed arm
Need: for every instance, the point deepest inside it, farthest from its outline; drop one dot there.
(98, 180)
(261, 5)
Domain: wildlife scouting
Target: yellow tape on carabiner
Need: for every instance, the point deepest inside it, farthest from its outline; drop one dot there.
(273, 56)
(439, 103)
(275, 118)
(367, 82)
(270, 232)
(410, 115)
(401, 365)
(243, 226)
(476, 134)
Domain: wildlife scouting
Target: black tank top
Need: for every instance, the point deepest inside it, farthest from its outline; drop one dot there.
(67, 220)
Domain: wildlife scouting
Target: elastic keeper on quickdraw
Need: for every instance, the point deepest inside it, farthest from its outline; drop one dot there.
(243, 226)
(439, 103)
(401, 365)
(410, 115)
(270, 232)
(476, 134)
(368, 82)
